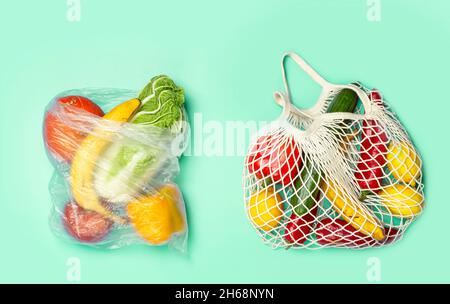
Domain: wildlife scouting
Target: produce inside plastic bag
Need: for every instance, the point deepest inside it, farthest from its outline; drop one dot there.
(124, 168)
(116, 155)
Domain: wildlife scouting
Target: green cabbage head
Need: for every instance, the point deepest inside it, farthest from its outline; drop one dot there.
(125, 168)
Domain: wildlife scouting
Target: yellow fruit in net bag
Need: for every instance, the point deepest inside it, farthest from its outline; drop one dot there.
(353, 211)
(157, 217)
(403, 162)
(402, 200)
(265, 209)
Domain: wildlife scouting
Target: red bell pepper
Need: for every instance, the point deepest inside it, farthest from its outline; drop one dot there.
(259, 156)
(339, 232)
(299, 227)
(372, 152)
(277, 158)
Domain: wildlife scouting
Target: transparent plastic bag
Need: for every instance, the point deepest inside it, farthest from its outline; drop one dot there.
(341, 174)
(113, 183)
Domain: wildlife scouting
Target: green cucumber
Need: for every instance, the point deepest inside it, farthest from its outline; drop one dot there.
(308, 184)
(345, 101)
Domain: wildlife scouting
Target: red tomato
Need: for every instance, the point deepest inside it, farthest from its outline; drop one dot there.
(62, 140)
(84, 225)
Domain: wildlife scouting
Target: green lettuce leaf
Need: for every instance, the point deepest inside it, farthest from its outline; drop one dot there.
(125, 168)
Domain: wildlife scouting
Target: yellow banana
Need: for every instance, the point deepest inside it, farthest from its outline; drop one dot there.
(352, 212)
(404, 163)
(402, 200)
(85, 160)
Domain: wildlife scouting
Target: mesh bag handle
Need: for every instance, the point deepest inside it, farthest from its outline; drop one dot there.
(285, 100)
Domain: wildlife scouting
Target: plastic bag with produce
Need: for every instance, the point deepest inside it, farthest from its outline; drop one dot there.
(116, 157)
(343, 173)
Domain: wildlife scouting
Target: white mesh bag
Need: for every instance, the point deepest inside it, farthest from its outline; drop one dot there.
(343, 173)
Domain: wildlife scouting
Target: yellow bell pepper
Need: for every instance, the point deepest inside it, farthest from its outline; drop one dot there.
(157, 217)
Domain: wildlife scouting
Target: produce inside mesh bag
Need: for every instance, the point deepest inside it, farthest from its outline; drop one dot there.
(341, 174)
(116, 155)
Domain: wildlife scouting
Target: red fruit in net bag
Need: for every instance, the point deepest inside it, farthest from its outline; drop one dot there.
(259, 157)
(370, 172)
(277, 158)
(84, 225)
(373, 152)
(299, 227)
(339, 232)
(285, 162)
(61, 139)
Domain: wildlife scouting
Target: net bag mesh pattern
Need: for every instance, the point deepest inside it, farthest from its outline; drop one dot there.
(342, 174)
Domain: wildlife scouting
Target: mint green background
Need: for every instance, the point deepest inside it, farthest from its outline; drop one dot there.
(226, 56)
